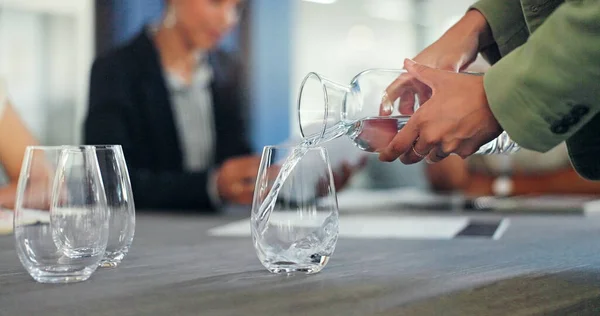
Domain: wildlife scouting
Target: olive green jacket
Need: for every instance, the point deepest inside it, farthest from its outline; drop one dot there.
(544, 85)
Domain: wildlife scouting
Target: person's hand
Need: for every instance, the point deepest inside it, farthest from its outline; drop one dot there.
(457, 119)
(236, 179)
(454, 51)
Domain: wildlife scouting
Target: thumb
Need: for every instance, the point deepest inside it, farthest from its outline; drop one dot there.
(423, 73)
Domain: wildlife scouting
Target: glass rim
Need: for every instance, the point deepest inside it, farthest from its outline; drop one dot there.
(61, 147)
(105, 146)
(321, 81)
(290, 146)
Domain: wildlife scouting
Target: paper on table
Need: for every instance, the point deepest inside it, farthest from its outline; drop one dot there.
(592, 208)
(29, 217)
(375, 227)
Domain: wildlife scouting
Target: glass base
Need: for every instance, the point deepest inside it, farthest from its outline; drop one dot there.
(111, 260)
(105, 263)
(293, 268)
(61, 275)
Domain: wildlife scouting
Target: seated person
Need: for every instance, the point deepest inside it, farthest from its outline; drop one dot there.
(174, 102)
(525, 172)
(14, 138)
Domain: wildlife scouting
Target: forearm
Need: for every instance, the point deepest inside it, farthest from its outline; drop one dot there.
(547, 89)
(473, 23)
(505, 27)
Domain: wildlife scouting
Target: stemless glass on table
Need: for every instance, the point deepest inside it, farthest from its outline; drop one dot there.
(297, 230)
(62, 188)
(119, 199)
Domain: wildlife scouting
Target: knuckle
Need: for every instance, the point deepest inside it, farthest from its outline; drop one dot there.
(449, 147)
(429, 138)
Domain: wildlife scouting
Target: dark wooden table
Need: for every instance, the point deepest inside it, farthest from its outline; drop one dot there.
(543, 265)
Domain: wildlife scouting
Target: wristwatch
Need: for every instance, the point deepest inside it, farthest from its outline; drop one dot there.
(502, 186)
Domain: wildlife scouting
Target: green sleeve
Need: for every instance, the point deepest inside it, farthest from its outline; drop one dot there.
(505, 18)
(547, 89)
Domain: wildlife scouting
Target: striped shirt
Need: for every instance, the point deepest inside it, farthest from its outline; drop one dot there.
(193, 114)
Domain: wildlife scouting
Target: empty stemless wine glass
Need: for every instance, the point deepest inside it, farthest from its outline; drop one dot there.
(119, 200)
(60, 222)
(294, 220)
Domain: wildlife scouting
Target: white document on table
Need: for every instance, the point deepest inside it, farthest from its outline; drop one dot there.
(374, 227)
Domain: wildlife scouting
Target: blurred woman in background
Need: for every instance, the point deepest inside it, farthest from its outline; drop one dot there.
(175, 103)
(14, 138)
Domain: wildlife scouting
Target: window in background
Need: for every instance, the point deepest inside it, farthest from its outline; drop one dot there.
(270, 41)
(338, 39)
(440, 15)
(46, 49)
(341, 38)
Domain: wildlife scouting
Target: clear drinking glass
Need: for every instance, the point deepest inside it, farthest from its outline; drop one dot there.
(328, 110)
(119, 199)
(61, 222)
(296, 230)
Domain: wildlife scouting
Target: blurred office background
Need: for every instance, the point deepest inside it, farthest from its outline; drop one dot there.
(47, 47)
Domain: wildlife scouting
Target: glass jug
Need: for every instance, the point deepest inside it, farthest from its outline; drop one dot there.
(328, 110)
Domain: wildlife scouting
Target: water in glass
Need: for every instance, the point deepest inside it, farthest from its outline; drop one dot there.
(60, 222)
(294, 220)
